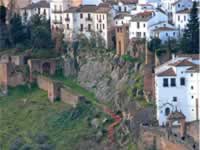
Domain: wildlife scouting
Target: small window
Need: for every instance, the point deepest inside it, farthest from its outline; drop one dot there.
(167, 111)
(192, 97)
(67, 26)
(125, 9)
(173, 82)
(178, 18)
(144, 25)
(191, 75)
(166, 34)
(103, 26)
(138, 25)
(165, 82)
(174, 99)
(89, 27)
(182, 81)
(81, 15)
(97, 26)
(119, 9)
(192, 87)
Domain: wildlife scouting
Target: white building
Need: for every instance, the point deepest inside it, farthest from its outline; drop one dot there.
(177, 88)
(88, 20)
(141, 23)
(123, 18)
(41, 8)
(124, 6)
(164, 31)
(178, 6)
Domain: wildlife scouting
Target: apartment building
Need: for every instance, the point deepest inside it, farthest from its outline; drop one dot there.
(177, 88)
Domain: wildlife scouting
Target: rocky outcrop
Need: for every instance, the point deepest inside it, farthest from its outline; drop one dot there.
(107, 76)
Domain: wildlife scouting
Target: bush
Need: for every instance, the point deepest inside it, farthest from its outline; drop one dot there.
(41, 138)
(17, 144)
(128, 58)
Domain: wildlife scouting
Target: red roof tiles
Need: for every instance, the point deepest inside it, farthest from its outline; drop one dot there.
(168, 72)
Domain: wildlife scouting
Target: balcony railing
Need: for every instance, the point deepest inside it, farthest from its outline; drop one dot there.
(67, 19)
(88, 19)
(100, 20)
(57, 11)
(57, 22)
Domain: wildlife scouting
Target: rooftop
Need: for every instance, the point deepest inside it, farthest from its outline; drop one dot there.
(182, 63)
(164, 29)
(143, 16)
(40, 4)
(168, 72)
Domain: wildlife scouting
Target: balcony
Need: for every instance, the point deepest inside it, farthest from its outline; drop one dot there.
(57, 22)
(88, 19)
(100, 20)
(67, 19)
(57, 11)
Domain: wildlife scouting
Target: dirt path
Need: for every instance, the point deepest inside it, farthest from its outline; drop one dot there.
(111, 127)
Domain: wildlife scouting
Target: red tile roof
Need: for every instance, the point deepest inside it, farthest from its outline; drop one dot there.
(164, 29)
(182, 63)
(193, 56)
(168, 72)
(184, 11)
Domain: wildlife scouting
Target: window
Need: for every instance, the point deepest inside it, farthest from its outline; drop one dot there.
(55, 7)
(144, 34)
(178, 5)
(178, 18)
(182, 81)
(116, 22)
(138, 25)
(89, 27)
(103, 26)
(174, 33)
(173, 82)
(97, 26)
(103, 17)
(167, 111)
(38, 10)
(125, 9)
(138, 34)
(81, 15)
(120, 9)
(165, 82)
(192, 87)
(166, 34)
(44, 12)
(67, 26)
(81, 27)
(144, 25)
(122, 22)
(174, 99)
(192, 97)
(89, 16)
(184, 18)
(191, 75)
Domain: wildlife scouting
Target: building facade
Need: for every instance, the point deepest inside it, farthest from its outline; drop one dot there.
(177, 88)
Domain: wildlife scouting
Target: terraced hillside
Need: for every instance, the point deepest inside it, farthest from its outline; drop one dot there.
(29, 121)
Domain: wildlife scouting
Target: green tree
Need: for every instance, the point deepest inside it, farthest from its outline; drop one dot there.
(154, 44)
(190, 40)
(17, 30)
(41, 38)
(40, 32)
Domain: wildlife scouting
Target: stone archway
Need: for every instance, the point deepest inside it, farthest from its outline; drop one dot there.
(180, 117)
(46, 67)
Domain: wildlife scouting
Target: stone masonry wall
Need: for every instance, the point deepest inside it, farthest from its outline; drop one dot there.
(69, 97)
(50, 86)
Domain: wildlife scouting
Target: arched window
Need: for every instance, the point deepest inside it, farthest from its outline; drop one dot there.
(167, 111)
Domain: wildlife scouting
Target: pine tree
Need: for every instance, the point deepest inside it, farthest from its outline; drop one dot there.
(190, 40)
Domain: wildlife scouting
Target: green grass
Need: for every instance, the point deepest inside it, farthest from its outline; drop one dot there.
(72, 83)
(26, 113)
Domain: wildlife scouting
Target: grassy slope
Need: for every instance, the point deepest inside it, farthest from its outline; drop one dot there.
(38, 115)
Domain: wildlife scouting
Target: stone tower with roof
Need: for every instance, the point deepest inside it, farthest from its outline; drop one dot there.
(121, 39)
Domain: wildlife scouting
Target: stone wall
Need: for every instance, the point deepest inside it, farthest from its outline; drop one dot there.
(9, 76)
(159, 138)
(15, 59)
(69, 97)
(192, 130)
(42, 66)
(52, 87)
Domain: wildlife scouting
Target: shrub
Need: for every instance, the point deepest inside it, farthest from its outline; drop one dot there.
(17, 144)
(41, 138)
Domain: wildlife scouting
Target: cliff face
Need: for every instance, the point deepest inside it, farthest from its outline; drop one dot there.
(108, 77)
